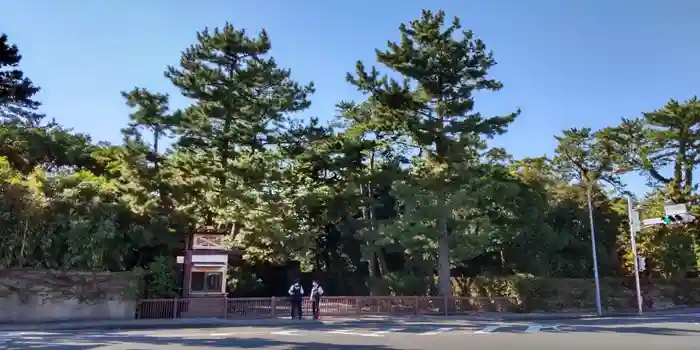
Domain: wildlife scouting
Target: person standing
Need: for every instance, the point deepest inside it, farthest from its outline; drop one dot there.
(315, 296)
(295, 294)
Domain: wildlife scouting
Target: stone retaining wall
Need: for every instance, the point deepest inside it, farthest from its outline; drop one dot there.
(36, 295)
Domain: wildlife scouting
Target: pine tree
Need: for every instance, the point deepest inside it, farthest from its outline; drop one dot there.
(443, 67)
(242, 100)
(16, 90)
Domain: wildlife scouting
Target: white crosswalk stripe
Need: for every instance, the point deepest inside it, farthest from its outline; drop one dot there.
(438, 331)
(391, 330)
(427, 331)
(367, 331)
(351, 332)
(488, 329)
(539, 328)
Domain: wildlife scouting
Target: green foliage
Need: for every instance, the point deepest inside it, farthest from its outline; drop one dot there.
(432, 108)
(244, 282)
(527, 293)
(398, 187)
(160, 280)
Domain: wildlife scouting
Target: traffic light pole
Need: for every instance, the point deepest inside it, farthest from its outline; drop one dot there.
(635, 258)
(598, 307)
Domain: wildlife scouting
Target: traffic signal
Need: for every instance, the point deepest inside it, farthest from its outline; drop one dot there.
(671, 219)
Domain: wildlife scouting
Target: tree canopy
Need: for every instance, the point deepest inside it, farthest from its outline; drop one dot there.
(400, 190)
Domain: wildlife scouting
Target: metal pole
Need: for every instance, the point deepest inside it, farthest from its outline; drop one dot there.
(595, 255)
(633, 242)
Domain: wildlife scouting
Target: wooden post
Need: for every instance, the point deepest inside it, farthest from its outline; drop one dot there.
(273, 307)
(175, 305)
(444, 305)
(187, 267)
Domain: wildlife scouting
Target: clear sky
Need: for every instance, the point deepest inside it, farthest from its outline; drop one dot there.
(565, 63)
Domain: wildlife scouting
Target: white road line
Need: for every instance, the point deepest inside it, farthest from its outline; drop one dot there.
(390, 330)
(20, 334)
(538, 328)
(165, 335)
(489, 329)
(291, 332)
(32, 338)
(438, 331)
(349, 332)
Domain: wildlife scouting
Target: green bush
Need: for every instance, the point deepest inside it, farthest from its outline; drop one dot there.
(159, 280)
(531, 293)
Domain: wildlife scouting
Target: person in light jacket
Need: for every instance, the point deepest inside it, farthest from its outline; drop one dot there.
(315, 296)
(296, 291)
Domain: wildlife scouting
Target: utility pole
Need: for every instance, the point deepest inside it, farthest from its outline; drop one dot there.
(633, 217)
(598, 308)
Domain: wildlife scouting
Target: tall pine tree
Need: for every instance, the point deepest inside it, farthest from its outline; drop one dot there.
(442, 68)
(242, 100)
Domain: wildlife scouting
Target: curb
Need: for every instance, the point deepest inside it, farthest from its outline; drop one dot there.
(553, 317)
(548, 317)
(154, 325)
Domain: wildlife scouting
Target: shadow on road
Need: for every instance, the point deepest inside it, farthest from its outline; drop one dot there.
(68, 342)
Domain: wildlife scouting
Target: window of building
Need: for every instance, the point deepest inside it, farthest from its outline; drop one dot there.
(213, 281)
(206, 281)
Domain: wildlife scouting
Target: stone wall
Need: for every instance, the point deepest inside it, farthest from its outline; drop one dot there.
(35, 295)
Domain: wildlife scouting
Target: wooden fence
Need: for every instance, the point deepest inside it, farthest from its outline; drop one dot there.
(330, 306)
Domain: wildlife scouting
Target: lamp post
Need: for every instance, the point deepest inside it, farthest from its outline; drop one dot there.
(598, 307)
(633, 218)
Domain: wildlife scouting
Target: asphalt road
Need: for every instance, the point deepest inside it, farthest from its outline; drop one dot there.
(639, 333)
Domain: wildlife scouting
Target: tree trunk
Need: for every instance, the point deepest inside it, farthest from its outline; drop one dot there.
(444, 283)
(372, 267)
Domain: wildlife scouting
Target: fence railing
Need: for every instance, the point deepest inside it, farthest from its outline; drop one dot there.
(330, 306)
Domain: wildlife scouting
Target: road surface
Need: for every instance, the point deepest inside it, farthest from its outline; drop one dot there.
(639, 333)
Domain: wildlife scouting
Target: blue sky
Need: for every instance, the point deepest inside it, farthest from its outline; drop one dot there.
(564, 63)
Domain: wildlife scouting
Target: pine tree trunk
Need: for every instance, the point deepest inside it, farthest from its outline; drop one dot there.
(444, 285)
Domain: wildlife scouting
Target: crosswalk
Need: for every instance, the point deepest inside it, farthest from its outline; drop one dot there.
(359, 331)
(409, 330)
(422, 331)
(438, 331)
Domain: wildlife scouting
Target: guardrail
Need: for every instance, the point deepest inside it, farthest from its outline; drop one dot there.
(330, 306)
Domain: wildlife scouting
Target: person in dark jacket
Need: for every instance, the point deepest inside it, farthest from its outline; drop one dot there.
(315, 296)
(296, 291)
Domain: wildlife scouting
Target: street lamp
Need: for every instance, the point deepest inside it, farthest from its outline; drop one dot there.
(598, 307)
(633, 218)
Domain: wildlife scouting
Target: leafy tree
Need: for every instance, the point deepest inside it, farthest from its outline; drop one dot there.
(49, 146)
(401, 184)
